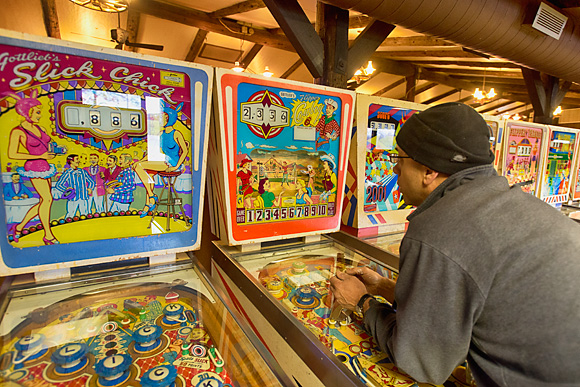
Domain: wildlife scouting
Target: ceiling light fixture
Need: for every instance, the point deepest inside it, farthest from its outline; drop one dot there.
(558, 111)
(103, 5)
(480, 95)
(267, 72)
(516, 117)
(238, 68)
(363, 73)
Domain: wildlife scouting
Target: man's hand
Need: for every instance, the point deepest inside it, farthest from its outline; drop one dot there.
(347, 290)
(375, 283)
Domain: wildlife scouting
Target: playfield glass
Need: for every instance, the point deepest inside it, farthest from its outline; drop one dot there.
(389, 242)
(298, 279)
(162, 327)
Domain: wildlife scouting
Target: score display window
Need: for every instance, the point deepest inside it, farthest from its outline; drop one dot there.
(106, 121)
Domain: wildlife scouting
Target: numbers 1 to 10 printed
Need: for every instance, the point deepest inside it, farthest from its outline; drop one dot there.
(278, 214)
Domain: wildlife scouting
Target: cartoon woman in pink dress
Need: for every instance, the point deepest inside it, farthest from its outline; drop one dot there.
(30, 136)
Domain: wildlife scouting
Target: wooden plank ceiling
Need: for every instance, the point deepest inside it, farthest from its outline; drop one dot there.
(249, 33)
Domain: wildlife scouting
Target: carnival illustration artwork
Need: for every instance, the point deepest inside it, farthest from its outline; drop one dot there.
(287, 156)
(558, 170)
(381, 188)
(522, 158)
(91, 149)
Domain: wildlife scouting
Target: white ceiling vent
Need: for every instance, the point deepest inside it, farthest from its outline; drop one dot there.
(549, 21)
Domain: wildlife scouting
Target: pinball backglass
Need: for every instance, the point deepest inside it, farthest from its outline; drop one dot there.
(102, 151)
(557, 174)
(280, 152)
(523, 154)
(373, 203)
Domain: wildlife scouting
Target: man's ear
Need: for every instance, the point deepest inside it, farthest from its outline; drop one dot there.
(429, 176)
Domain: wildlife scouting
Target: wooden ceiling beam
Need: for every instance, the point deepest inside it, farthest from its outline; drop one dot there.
(425, 87)
(416, 41)
(300, 32)
(50, 18)
(292, 68)
(133, 19)
(441, 96)
(251, 54)
(244, 6)
(390, 66)
(204, 21)
(365, 44)
(438, 63)
(455, 53)
(481, 73)
(390, 87)
(195, 48)
(332, 28)
(496, 106)
(445, 79)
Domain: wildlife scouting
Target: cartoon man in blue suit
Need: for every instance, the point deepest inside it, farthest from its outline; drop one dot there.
(16, 190)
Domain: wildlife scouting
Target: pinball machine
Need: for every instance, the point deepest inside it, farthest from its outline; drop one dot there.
(103, 161)
(280, 151)
(374, 213)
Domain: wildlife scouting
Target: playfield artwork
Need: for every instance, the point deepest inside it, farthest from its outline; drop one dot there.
(287, 156)
(147, 335)
(301, 285)
(522, 156)
(93, 149)
(381, 188)
(558, 170)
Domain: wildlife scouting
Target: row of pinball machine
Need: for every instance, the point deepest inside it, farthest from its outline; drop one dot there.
(106, 158)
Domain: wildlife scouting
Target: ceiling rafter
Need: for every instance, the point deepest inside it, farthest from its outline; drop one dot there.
(452, 53)
(50, 17)
(133, 20)
(437, 63)
(204, 21)
(366, 43)
(244, 6)
(416, 41)
(195, 47)
(441, 96)
(434, 60)
(292, 68)
(390, 87)
(300, 33)
(251, 54)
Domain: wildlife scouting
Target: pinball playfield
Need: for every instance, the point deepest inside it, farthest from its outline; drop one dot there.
(138, 334)
(301, 285)
(299, 282)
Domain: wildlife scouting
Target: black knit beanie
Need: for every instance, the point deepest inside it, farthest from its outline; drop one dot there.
(447, 138)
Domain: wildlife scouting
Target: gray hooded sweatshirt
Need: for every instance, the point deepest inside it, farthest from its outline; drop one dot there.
(489, 274)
